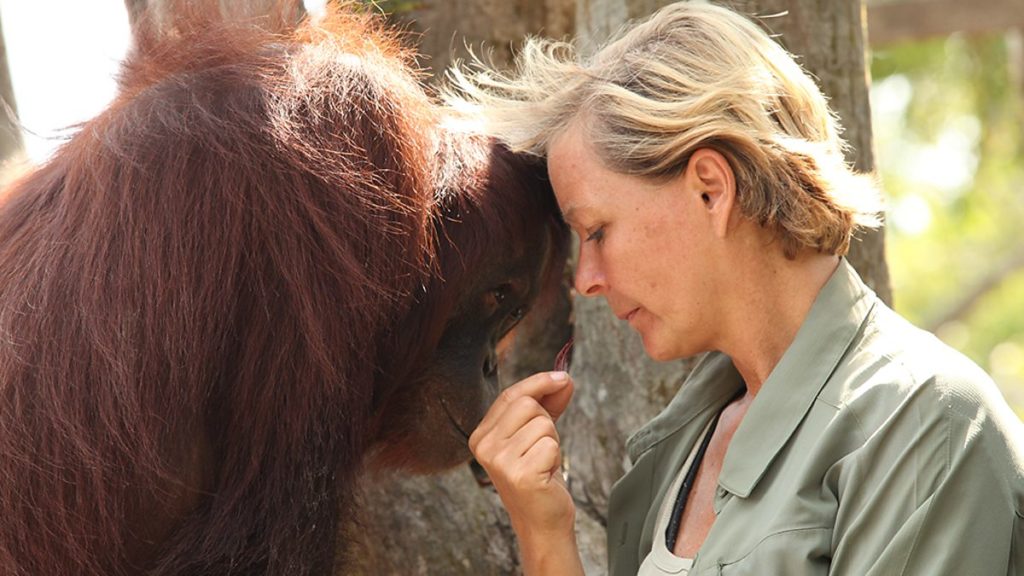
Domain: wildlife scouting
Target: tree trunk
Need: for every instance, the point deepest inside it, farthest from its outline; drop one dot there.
(448, 525)
(10, 130)
(914, 20)
(490, 28)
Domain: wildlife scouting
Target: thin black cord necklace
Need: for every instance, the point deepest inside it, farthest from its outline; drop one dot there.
(672, 532)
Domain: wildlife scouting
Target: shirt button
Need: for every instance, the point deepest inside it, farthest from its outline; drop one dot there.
(721, 498)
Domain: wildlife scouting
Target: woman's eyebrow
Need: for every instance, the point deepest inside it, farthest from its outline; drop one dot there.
(572, 212)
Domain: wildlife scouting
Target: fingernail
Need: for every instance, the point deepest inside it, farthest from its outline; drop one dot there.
(559, 376)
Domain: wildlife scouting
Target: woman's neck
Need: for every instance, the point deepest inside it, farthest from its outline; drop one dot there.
(761, 324)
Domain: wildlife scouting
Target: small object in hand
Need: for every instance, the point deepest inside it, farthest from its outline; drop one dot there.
(564, 356)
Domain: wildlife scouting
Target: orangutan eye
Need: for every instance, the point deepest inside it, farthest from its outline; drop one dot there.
(517, 314)
(500, 294)
(497, 298)
(506, 305)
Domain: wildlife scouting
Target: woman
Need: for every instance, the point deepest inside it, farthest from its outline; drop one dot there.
(821, 434)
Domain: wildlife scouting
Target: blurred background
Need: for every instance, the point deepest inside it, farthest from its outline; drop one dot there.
(948, 119)
(947, 102)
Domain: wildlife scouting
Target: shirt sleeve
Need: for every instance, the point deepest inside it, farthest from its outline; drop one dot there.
(935, 490)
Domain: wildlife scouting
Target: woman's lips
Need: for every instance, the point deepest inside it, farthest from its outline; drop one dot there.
(629, 316)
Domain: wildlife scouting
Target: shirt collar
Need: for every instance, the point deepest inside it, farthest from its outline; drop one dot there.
(708, 388)
(834, 320)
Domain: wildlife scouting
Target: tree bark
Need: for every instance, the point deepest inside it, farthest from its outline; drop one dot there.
(909, 20)
(10, 130)
(490, 28)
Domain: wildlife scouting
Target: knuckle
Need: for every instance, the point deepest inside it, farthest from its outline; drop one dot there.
(523, 401)
(482, 450)
(545, 421)
(548, 444)
(506, 396)
(544, 424)
(526, 405)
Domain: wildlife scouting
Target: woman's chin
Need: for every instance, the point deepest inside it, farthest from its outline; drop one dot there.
(664, 350)
(655, 350)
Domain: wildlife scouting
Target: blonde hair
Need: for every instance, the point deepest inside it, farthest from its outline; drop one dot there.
(693, 75)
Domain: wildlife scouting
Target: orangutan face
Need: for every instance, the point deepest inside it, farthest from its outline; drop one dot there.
(463, 380)
(499, 269)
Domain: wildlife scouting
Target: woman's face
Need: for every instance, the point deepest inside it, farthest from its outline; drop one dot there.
(643, 246)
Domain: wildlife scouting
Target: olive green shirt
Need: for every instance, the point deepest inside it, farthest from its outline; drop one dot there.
(872, 449)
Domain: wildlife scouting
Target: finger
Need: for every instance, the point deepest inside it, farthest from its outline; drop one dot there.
(546, 456)
(525, 474)
(500, 428)
(521, 412)
(496, 441)
(536, 386)
(556, 402)
(537, 428)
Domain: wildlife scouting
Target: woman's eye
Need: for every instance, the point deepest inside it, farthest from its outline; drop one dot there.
(596, 235)
(517, 314)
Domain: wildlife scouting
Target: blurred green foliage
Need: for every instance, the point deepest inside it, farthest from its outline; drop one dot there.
(949, 132)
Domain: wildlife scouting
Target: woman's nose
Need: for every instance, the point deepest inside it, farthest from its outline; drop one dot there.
(589, 279)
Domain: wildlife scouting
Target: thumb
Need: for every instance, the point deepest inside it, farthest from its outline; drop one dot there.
(556, 402)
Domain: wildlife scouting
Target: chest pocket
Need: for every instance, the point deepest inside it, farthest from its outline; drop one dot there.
(796, 552)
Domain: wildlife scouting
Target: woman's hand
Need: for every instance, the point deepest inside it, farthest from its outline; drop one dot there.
(518, 445)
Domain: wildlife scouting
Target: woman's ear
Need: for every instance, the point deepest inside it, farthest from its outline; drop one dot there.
(710, 177)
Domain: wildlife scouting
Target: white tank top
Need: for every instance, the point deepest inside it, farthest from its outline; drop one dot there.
(660, 561)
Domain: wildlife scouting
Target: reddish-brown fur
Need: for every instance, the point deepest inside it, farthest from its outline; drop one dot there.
(211, 299)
